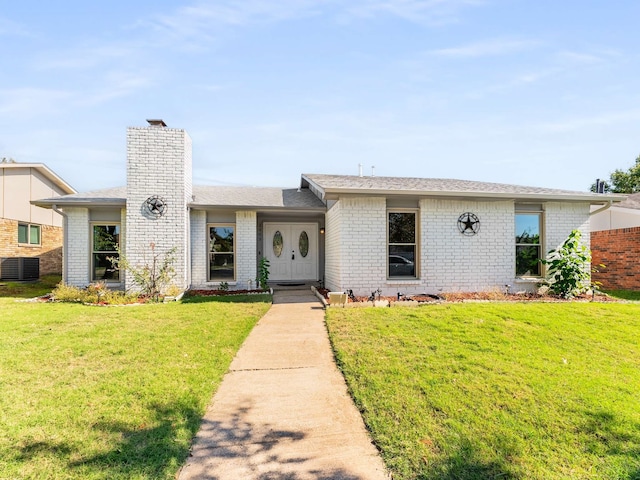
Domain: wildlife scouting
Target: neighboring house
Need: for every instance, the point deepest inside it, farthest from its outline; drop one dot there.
(615, 243)
(408, 235)
(625, 214)
(30, 236)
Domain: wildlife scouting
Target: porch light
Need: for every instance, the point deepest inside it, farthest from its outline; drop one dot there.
(321, 230)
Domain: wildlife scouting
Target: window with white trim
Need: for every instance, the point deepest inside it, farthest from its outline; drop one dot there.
(529, 219)
(402, 245)
(105, 242)
(29, 234)
(222, 256)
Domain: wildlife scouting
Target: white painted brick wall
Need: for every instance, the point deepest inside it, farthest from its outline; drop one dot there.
(449, 261)
(332, 258)
(158, 163)
(78, 245)
(356, 231)
(199, 249)
(561, 219)
(455, 262)
(246, 253)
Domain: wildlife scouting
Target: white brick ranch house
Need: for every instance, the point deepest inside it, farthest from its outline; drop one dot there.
(351, 232)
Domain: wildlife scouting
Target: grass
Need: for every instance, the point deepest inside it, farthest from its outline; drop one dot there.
(503, 391)
(110, 392)
(625, 294)
(29, 289)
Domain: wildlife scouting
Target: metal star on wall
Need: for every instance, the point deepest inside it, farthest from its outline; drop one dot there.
(468, 224)
(156, 206)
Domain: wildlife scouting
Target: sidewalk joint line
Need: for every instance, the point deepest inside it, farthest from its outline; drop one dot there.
(269, 369)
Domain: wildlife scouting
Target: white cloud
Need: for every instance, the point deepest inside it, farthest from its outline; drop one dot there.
(431, 12)
(601, 120)
(28, 102)
(200, 22)
(116, 84)
(86, 57)
(13, 29)
(486, 48)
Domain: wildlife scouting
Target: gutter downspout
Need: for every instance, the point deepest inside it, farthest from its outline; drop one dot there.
(602, 209)
(65, 228)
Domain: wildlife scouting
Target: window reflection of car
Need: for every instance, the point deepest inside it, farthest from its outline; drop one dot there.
(399, 265)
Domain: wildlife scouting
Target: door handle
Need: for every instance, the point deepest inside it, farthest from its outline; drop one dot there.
(293, 255)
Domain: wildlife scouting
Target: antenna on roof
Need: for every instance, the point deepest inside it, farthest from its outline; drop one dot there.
(373, 170)
(359, 169)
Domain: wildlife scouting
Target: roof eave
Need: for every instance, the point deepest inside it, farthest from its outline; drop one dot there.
(335, 193)
(261, 208)
(121, 202)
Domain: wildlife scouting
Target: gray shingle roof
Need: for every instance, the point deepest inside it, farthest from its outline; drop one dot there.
(328, 184)
(632, 201)
(206, 196)
(106, 196)
(264, 197)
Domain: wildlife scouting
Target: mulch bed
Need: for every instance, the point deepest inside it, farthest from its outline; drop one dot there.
(208, 293)
(459, 297)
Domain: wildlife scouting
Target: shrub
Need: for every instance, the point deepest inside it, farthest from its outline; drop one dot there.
(152, 277)
(569, 274)
(263, 273)
(96, 293)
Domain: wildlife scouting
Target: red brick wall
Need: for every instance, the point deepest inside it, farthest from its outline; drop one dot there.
(619, 251)
(50, 250)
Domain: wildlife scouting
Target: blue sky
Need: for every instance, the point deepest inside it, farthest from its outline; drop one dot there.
(541, 93)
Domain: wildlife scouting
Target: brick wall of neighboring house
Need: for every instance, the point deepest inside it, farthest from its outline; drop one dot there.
(49, 251)
(619, 251)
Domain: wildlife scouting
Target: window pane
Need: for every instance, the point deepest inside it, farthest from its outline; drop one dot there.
(402, 261)
(23, 233)
(221, 266)
(402, 227)
(528, 228)
(303, 244)
(278, 243)
(34, 236)
(106, 238)
(103, 269)
(527, 260)
(221, 239)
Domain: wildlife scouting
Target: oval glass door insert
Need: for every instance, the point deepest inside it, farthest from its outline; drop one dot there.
(303, 244)
(278, 243)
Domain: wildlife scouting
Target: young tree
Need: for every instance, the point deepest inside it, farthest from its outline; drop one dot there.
(622, 181)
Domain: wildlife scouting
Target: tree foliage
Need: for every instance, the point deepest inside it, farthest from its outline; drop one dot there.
(623, 181)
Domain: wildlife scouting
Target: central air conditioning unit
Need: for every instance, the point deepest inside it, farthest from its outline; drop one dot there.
(19, 268)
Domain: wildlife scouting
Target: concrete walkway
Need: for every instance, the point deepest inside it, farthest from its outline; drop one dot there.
(282, 412)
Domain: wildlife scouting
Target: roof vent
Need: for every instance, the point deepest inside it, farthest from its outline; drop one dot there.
(156, 122)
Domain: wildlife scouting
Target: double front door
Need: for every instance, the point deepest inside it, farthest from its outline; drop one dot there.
(292, 250)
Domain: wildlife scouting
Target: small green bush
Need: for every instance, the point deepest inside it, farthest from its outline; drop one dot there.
(96, 293)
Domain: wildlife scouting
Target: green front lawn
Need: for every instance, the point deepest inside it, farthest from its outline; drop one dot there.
(497, 390)
(111, 392)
